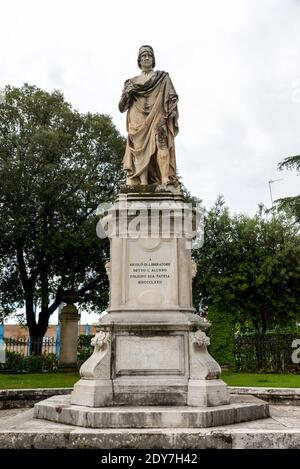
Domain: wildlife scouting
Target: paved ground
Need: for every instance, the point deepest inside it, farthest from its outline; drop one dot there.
(18, 429)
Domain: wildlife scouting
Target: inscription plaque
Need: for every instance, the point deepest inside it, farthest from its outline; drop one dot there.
(150, 355)
(151, 274)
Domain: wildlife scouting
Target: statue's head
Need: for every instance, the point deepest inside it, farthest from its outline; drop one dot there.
(143, 52)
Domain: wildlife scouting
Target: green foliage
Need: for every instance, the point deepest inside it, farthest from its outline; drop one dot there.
(249, 266)
(290, 205)
(222, 346)
(291, 162)
(56, 166)
(19, 363)
(84, 350)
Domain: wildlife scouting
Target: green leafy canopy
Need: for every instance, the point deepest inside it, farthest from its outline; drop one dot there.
(56, 166)
(249, 267)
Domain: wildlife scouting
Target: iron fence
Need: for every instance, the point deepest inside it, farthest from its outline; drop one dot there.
(25, 355)
(28, 346)
(265, 352)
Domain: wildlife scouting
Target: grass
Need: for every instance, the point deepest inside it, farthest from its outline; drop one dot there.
(38, 380)
(67, 380)
(267, 380)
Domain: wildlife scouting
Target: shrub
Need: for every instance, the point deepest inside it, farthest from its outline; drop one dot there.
(85, 349)
(18, 363)
(222, 346)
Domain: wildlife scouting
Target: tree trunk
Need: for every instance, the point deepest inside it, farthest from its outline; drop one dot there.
(36, 345)
(36, 330)
(37, 333)
(36, 338)
(264, 320)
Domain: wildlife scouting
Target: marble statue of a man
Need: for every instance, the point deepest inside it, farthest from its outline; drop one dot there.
(151, 102)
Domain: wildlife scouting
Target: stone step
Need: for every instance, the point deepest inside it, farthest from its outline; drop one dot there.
(241, 409)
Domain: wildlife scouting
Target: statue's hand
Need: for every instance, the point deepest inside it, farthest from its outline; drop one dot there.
(129, 87)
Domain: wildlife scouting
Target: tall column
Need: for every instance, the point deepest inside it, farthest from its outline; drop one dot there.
(69, 318)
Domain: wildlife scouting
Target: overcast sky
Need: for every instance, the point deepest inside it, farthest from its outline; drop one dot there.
(235, 65)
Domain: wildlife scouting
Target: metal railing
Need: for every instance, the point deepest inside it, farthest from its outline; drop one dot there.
(268, 352)
(27, 346)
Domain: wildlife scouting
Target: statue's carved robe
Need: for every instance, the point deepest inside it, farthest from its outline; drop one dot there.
(154, 98)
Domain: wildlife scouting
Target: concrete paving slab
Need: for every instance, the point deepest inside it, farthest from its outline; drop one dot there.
(278, 396)
(12, 418)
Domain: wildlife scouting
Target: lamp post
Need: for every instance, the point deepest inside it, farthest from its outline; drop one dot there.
(271, 181)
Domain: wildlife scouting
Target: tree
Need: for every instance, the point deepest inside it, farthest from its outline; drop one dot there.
(250, 267)
(56, 166)
(290, 204)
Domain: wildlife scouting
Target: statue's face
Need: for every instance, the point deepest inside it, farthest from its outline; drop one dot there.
(146, 61)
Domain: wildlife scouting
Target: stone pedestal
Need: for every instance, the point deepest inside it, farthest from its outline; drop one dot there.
(241, 409)
(150, 367)
(69, 318)
(151, 348)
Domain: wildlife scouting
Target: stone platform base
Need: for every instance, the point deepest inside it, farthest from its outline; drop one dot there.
(20, 430)
(147, 392)
(241, 409)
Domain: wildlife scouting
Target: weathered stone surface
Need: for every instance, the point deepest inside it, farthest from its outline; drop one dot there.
(207, 392)
(93, 392)
(68, 318)
(60, 409)
(150, 265)
(23, 431)
(17, 398)
(286, 396)
(155, 351)
(151, 101)
(149, 391)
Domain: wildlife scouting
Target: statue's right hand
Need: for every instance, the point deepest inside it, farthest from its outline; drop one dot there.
(129, 87)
